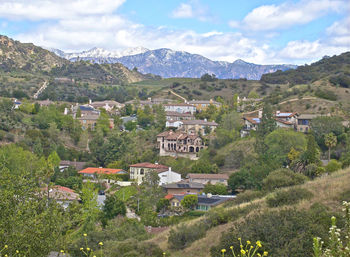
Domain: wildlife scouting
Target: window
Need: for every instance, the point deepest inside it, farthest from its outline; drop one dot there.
(142, 172)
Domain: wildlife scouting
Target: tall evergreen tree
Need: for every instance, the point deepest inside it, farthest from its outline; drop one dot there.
(266, 126)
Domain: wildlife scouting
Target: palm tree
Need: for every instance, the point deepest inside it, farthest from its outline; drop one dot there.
(330, 141)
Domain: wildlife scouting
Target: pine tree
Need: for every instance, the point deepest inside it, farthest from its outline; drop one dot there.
(266, 126)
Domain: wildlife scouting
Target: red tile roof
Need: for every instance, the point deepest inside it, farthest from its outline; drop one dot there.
(92, 170)
(169, 196)
(149, 165)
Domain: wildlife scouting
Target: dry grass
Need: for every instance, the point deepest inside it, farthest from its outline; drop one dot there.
(326, 190)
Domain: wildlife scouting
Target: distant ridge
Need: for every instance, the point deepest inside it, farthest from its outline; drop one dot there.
(169, 63)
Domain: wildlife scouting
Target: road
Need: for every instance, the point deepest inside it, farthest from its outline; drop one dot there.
(175, 94)
(41, 89)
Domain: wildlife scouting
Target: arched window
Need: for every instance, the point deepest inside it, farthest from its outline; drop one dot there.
(142, 172)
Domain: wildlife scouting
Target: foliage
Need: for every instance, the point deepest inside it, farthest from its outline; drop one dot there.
(288, 197)
(273, 229)
(333, 165)
(125, 193)
(337, 247)
(248, 196)
(69, 177)
(324, 125)
(266, 126)
(216, 189)
(209, 78)
(282, 178)
(241, 180)
(162, 204)
(27, 222)
(281, 141)
(326, 94)
(330, 140)
(90, 210)
(113, 207)
(189, 201)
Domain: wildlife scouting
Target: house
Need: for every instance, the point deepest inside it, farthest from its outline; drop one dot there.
(64, 164)
(46, 102)
(85, 110)
(107, 105)
(175, 116)
(250, 123)
(173, 123)
(138, 171)
(183, 187)
(205, 202)
(16, 104)
(168, 177)
(198, 126)
(208, 178)
(304, 121)
(180, 108)
(90, 121)
(201, 105)
(63, 195)
(150, 102)
(92, 172)
(179, 144)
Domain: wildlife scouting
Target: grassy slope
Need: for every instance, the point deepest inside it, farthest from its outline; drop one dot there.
(326, 190)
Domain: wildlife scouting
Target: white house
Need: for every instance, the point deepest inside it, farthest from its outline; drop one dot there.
(180, 107)
(173, 123)
(168, 177)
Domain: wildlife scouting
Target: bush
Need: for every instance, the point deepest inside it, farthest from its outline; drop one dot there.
(333, 165)
(282, 178)
(248, 196)
(184, 235)
(288, 197)
(326, 94)
(282, 233)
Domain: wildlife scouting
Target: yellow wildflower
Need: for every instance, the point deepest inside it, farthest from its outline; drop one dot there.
(62, 251)
(223, 250)
(248, 242)
(6, 246)
(258, 243)
(17, 251)
(88, 249)
(242, 252)
(85, 234)
(100, 243)
(231, 247)
(81, 248)
(265, 253)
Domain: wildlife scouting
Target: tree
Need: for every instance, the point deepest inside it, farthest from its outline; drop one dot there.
(282, 141)
(90, 209)
(189, 201)
(253, 95)
(27, 223)
(162, 204)
(216, 189)
(266, 126)
(323, 125)
(330, 141)
(113, 207)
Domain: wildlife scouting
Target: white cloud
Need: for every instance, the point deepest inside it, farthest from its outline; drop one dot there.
(339, 32)
(55, 9)
(271, 17)
(183, 11)
(193, 9)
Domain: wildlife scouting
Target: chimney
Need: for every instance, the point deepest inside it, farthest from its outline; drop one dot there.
(260, 114)
(90, 101)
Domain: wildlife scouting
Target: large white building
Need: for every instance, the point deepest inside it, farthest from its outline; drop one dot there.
(180, 108)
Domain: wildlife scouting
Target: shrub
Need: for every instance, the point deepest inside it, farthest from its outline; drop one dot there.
(282, 233)
(248, 196)
(333, 165)
(288, 197)
(282, 178)
(184, 235)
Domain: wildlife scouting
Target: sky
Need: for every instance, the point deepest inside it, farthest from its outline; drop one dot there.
(257, 31)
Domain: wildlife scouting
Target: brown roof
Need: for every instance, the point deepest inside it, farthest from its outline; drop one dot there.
(284, 122)
(252, 120)
(207, 176)
(149, 165)
(61, 193)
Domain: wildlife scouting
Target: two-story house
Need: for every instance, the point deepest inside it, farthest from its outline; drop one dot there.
(198, 126)
(138, 171)
(201, 105)
(304, 121)
(179, 144)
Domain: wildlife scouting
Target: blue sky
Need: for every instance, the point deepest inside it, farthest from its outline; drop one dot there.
(265, 32)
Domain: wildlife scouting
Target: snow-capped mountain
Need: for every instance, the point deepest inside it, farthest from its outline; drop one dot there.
(100, 53)
(169, 63)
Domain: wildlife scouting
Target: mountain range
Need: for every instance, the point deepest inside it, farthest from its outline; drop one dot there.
(169, 63)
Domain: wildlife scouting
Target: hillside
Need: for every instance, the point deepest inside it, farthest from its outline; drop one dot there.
(336, 69)
(168, 63)
(15, 55)
(328, 193)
